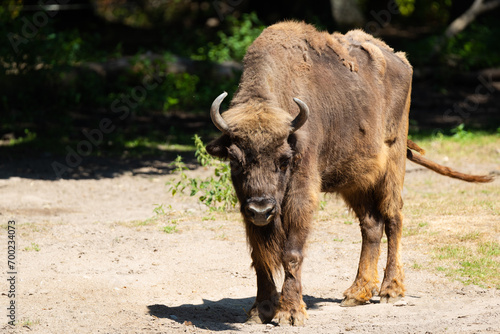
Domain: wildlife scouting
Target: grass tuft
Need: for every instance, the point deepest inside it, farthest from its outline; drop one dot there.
(33, 247)
(478, 264)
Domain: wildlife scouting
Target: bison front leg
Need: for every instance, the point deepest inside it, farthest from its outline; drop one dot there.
(365, 284)
(292, 309)
(266, 303)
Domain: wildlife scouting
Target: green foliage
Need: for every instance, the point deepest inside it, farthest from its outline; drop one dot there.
(459, 132)
(216, 192)
(173, 90)
(475, 47)
(406, 7)
(10, 10)
(233, 45)
(47, 49)
(159, 210)
(30, 136)
(145, 14)
(57, 65)
(182, 183)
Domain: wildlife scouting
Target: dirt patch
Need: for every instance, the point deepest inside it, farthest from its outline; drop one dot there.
(103, 267)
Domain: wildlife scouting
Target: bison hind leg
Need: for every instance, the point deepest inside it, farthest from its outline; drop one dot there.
(365, 284)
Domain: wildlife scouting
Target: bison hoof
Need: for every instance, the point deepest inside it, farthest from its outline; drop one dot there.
(359, 294)
(350, 302)
(389, 300)
(294, 317)
(262, 313)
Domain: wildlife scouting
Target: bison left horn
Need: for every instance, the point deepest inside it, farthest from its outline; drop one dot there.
(219, 122)
(302, 116)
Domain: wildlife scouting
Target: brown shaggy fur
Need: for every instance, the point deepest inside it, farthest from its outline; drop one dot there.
(354, 143)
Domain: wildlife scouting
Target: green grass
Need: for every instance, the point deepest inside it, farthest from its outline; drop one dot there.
(456, 218)
(30, 136)
(477, 264)
(460, 143)
(409, 231)
(425, 199)
(159, 212)
(163, 216)
(417, 266)
(470, 236)
(460, 133)
(33, 247)
(169, 229)
(223, 236)
(26, 322)
(146, 144)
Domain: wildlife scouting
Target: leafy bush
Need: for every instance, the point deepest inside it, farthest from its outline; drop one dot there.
(233, 45)
(475, 47)
(217, 191)
(459, 132)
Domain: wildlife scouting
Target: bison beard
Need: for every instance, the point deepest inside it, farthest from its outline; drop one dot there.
(346, 134)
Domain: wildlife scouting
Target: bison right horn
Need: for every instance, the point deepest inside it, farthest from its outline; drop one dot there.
(219, 122)
(301, 117)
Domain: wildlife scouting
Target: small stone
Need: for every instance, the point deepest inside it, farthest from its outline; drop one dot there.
(401, 303)
(173, 317)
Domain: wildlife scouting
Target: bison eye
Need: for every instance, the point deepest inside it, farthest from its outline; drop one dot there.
(234, 163)
(236, 166)
(284, 164)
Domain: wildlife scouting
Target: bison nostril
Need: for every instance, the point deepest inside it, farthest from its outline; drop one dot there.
(260, 211)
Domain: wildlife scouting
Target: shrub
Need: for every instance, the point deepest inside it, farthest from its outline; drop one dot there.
(233, 45)
(217, 191)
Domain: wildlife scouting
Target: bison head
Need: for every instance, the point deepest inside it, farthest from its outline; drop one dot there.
(263, 149)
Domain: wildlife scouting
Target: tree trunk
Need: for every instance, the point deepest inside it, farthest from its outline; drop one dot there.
(347, 13)
(461, 22)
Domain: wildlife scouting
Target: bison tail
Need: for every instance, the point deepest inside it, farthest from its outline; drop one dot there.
(443, 170)
(412, 146)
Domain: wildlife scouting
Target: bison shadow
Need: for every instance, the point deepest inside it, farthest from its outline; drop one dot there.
(219, 315)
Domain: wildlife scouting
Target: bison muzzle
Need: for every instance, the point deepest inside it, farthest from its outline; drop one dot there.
(318, 112)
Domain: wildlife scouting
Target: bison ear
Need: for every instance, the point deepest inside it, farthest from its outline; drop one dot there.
(297, 143)
(218, 147)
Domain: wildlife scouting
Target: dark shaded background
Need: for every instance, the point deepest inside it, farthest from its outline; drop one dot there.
(151, 68)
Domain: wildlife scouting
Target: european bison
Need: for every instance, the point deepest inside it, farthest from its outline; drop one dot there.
(318, 112)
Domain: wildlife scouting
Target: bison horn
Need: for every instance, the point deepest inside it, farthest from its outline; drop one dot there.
(302, 116)
(219, 122)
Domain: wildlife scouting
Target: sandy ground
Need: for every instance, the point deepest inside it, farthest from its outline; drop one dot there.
(99, 270)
